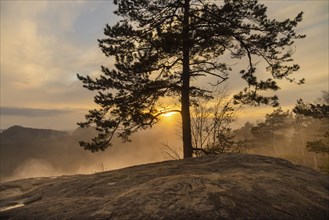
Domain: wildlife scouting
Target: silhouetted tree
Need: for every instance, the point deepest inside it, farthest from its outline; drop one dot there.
(303, 131)
(211, 124)
(272, 132)
(320, 112)
(244, 137)
(161, 46)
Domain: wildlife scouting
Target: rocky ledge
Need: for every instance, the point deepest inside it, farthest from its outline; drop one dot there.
(229, 186)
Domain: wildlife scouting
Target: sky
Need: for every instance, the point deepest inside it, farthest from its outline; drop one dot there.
(44, 44)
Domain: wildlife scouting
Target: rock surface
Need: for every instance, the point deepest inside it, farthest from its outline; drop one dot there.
(230, 186)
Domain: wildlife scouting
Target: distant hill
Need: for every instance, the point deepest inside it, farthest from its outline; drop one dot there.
(229, 186)
(20, 132)
(29, 152)
(39, 148)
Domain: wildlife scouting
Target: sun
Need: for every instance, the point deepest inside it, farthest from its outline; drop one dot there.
(168, 114)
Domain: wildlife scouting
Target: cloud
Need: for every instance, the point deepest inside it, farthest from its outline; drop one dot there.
(41, 50)
(30, 112)
(58, 119)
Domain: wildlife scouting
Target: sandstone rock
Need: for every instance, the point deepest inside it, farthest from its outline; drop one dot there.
(230, 186)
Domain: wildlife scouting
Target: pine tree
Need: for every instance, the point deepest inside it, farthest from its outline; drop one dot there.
(161, 47)
(271, 133)
(319, 111)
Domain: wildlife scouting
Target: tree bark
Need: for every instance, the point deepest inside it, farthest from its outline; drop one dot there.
(186, 120)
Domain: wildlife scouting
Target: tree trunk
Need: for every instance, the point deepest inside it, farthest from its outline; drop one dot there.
(186, 120)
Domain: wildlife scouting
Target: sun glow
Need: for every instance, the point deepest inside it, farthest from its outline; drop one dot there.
(168, 114)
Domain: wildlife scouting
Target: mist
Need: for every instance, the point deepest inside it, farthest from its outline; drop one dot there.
(286, 135)
(30, 153)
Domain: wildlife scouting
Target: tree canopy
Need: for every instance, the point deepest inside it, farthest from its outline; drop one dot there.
(319, 111)
(162, 48)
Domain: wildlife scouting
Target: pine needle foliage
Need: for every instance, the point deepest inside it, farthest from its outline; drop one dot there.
(160, 46)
